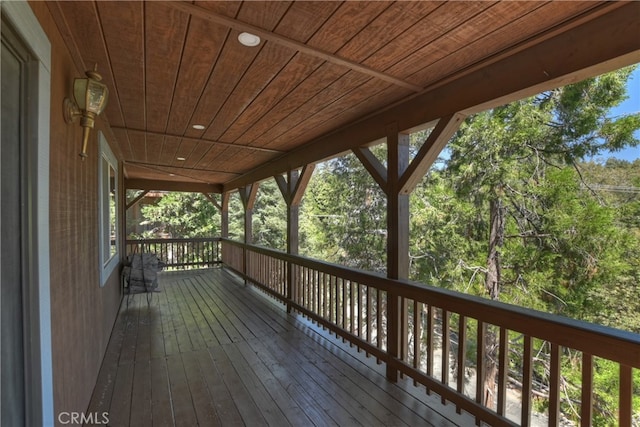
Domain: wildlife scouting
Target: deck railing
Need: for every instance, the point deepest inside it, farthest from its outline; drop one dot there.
(180, 254)
(440, 338)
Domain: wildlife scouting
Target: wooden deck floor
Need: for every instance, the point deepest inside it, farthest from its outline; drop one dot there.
(209, 351)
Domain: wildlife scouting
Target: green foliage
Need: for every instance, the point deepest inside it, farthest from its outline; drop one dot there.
(270, 217)
(343, 217)
(182, 215)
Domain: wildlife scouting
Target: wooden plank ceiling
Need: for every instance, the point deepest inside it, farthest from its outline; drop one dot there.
(321, 65)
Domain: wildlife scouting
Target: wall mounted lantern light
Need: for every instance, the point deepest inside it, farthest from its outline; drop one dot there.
(90, 100)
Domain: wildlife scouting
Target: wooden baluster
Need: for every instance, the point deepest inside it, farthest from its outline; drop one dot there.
(358, 312)
(297, 278)
(368, 314)
(279, 265)
(357, 307)
(527, 359)
(446, 346)
(310, 289)
(430, 325)
(480, 367)
(404, 330)
(289, 282)
(322, 296)
(345, 301)
(331, 296)
(303, 287)
(316, 291)
(300, 286)
(462, 355)
(554, 385)
(303, 278)
(587, 390)
(625, 410)
(272, 274)
(352, 307)
(378, 319)
(417, 333)
(338, 307)
(254, 266)
(503, 371)
(283, 276)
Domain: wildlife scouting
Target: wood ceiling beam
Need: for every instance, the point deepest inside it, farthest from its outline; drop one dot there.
(289, 43)
(157, 185)
(156, 167)
(208, 141)
(607, 42)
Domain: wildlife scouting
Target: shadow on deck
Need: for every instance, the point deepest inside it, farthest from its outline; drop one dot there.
(208, 350)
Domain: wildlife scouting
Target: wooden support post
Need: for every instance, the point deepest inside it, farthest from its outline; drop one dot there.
(224, 224)
(625, 405)
(397, 241)
(224, 215)
(398, 181)
(586, 402)
(292, 189)
(248, 197)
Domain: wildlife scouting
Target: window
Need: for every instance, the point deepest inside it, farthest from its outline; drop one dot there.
(108, 205)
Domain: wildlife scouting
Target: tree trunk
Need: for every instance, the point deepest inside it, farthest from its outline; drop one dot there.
(496, 239)
(492, 285)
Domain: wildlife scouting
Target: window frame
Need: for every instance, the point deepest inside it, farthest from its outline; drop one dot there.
(108, 261)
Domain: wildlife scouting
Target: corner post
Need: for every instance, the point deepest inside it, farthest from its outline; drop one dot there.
(292, 188)
(224, 222)
(397, 243)
(248, 196)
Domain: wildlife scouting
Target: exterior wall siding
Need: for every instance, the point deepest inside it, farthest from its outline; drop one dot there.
(82, 312)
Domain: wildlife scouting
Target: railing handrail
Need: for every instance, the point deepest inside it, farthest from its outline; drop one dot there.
(179, 253)
(173, 240)
(597, 340)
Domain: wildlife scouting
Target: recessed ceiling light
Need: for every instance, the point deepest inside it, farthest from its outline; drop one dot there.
(199, 127)
(248, 39)
(172, 174)
(181, 159)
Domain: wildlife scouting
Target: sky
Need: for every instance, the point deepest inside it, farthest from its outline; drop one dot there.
(630, 105)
